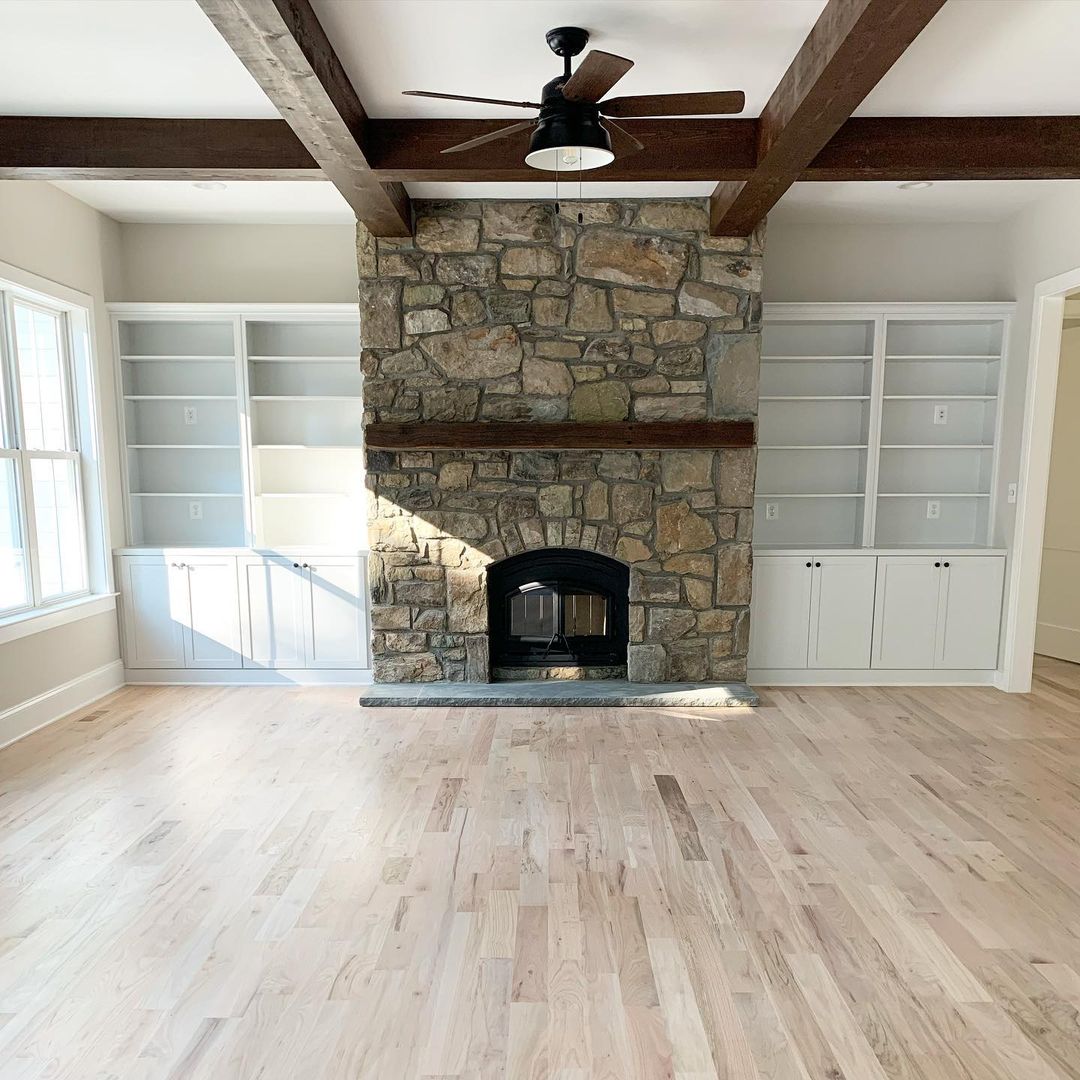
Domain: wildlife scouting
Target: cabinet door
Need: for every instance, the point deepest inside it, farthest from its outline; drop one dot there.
(969, 615)
(213, 639)
(780, 612)
(337, 627)
(272, 612)
(842, 611)
(155, 611)
(905, 611)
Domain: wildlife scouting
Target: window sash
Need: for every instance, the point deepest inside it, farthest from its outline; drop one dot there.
(13, 446)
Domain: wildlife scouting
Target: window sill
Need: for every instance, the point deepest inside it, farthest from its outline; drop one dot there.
(26, 623)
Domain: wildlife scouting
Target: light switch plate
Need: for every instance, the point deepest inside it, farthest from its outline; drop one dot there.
(191, 415)
(1012, 493)
(941, 414)
(772, 511)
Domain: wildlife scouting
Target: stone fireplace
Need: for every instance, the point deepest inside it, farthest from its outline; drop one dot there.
(511, 312)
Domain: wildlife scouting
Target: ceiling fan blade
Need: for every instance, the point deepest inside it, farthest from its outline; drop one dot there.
(623, 136)
(595, 76)
(719, 101)
(466, 97)
(491, 136)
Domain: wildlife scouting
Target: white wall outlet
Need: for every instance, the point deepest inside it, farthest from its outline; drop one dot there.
(191, 415)
(772, 511)
(1012, 493)
(933, 509)
(941, 414)
(195, 511)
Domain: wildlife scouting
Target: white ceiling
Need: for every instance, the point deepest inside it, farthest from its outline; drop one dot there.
(949, 201)
(493, 48)
(105, 57)
(120, 58)
(267, 202)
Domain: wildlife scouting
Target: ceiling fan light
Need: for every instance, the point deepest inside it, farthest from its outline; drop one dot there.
(569, 142)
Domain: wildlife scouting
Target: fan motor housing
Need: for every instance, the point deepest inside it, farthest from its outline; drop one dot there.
(567, 40)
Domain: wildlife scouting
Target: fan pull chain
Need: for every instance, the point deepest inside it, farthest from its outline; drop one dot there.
(556, 185)
(580, 215)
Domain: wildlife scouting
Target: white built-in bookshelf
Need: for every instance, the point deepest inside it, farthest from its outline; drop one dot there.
(242, 426)
(878, 424)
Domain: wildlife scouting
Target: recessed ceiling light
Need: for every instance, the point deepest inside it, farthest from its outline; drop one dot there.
(210, 185)
(916, 185)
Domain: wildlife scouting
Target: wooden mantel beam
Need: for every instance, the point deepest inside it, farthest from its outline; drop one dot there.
(851, 46)
(865, 148)
(286, 50)
(624, 435)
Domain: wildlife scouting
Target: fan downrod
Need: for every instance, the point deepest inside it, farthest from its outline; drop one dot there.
(567, 41)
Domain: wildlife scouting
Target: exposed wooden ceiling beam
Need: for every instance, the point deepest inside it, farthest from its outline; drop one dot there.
(694, 149)
(285, 49)
(851, 46)
(132, 148)
(865, 148)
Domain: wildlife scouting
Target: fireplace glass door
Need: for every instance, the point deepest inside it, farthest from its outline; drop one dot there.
(558, 607)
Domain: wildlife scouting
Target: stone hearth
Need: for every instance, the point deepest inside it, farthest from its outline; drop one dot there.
(508, 311)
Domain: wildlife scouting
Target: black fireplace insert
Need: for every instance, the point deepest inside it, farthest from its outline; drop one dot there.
(558, 607)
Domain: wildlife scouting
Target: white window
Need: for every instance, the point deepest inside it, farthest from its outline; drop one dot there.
(43, 536)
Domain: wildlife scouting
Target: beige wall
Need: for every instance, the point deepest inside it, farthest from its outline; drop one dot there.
(829, 262)
(41, 662)
(1058, 632)
(48, 233)
(239, 263)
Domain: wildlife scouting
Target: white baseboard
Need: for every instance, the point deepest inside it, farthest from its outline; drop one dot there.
(758, 677)
(1062, 642)
(38, 712)
(248, 676)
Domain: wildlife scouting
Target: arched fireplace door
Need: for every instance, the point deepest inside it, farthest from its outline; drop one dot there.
(558, 607)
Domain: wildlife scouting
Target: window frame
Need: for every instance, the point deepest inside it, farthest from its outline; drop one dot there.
(13, 444)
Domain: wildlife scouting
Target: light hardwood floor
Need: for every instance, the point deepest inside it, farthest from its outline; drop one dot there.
(858, 884)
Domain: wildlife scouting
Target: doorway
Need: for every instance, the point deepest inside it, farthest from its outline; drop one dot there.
(1057, 630)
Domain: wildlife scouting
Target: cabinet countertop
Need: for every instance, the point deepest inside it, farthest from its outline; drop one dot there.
(951, 550)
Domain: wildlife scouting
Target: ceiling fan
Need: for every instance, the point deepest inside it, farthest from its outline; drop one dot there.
(568, 133)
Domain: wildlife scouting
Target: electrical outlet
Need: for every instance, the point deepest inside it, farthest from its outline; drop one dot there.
(941, 414)
(772, 511)
(195, 511)
(933, 509)
(191, 415)
(1012, 493)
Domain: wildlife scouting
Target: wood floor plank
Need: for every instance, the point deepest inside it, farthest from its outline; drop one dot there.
(866, 883)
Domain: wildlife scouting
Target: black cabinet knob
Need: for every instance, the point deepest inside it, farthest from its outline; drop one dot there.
(305, 566)
(296, 566)
(937, 564)
(946, 564)
(808, 566)
(817, 564)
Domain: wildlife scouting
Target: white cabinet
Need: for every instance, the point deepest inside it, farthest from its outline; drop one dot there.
(213, 637)
(272, 611)
(780, 612)
(841, 611)
(812, 612)
(154, 624)
(337, 628)
(180, 613)
(301, 613)
(969, 611)
(227, 610)
(938, 612)
(905, 612)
